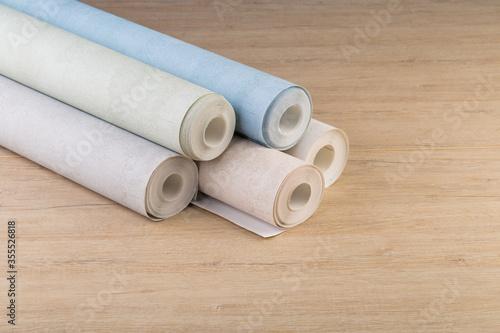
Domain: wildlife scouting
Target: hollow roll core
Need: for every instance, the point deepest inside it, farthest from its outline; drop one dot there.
(208, 128)
(172, 187)
(324, 158)
(299, 196)
(173, 183)
(290, 119)
(215, 132)
(287, 118)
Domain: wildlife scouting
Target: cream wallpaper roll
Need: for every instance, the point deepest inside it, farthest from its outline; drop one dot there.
(138, 174)
(267, 184)
(324, 146)
(158, 106)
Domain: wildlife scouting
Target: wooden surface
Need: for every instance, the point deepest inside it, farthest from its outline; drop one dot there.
(408, 240)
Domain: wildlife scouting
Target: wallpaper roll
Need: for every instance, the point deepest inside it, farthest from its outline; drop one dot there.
(144, 100)
(324, 146)
(140, 175)
(269, 110)
(267, 184)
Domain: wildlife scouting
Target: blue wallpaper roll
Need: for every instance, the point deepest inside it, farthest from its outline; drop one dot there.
(269, 110)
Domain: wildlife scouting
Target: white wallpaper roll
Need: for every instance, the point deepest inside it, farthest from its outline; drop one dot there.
(144, 100)
(267, 184)
(134, 172)
(324, 146)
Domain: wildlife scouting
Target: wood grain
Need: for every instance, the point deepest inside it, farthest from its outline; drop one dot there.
(406, 241)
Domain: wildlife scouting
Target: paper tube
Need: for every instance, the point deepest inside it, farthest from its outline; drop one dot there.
(269, 185)
(269, 110)
(140, 175)
(167, 110)
(324, 146)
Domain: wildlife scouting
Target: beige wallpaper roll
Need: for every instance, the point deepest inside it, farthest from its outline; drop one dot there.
(132, 171)
(265, 183)
(324, 146)
(167, 110)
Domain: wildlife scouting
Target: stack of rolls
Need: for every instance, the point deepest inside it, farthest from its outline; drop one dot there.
(163, 103)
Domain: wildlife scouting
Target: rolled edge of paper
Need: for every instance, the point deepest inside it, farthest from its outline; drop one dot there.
(208, 128)
(326, 147)
(287, 118)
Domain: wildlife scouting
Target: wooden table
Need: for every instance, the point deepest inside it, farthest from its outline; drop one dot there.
(408, 240)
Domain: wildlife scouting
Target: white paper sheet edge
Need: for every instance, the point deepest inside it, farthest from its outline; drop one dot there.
(236, 216)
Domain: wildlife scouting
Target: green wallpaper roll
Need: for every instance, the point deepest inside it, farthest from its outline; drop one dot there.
(169, 111)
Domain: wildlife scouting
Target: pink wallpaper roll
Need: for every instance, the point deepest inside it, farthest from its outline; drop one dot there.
(266, 184)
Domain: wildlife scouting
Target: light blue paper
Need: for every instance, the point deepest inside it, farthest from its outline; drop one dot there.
(251, 92)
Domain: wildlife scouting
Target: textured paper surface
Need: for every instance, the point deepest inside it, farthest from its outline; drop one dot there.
(259, 99)
(326, 147)
(144, 100)
(319, 136)
(104, 158)
(260, 182)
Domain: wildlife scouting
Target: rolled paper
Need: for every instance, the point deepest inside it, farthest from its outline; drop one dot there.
(267, 184)
(136, 173)
(169, 111)
(269, 110)
(324, 146)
